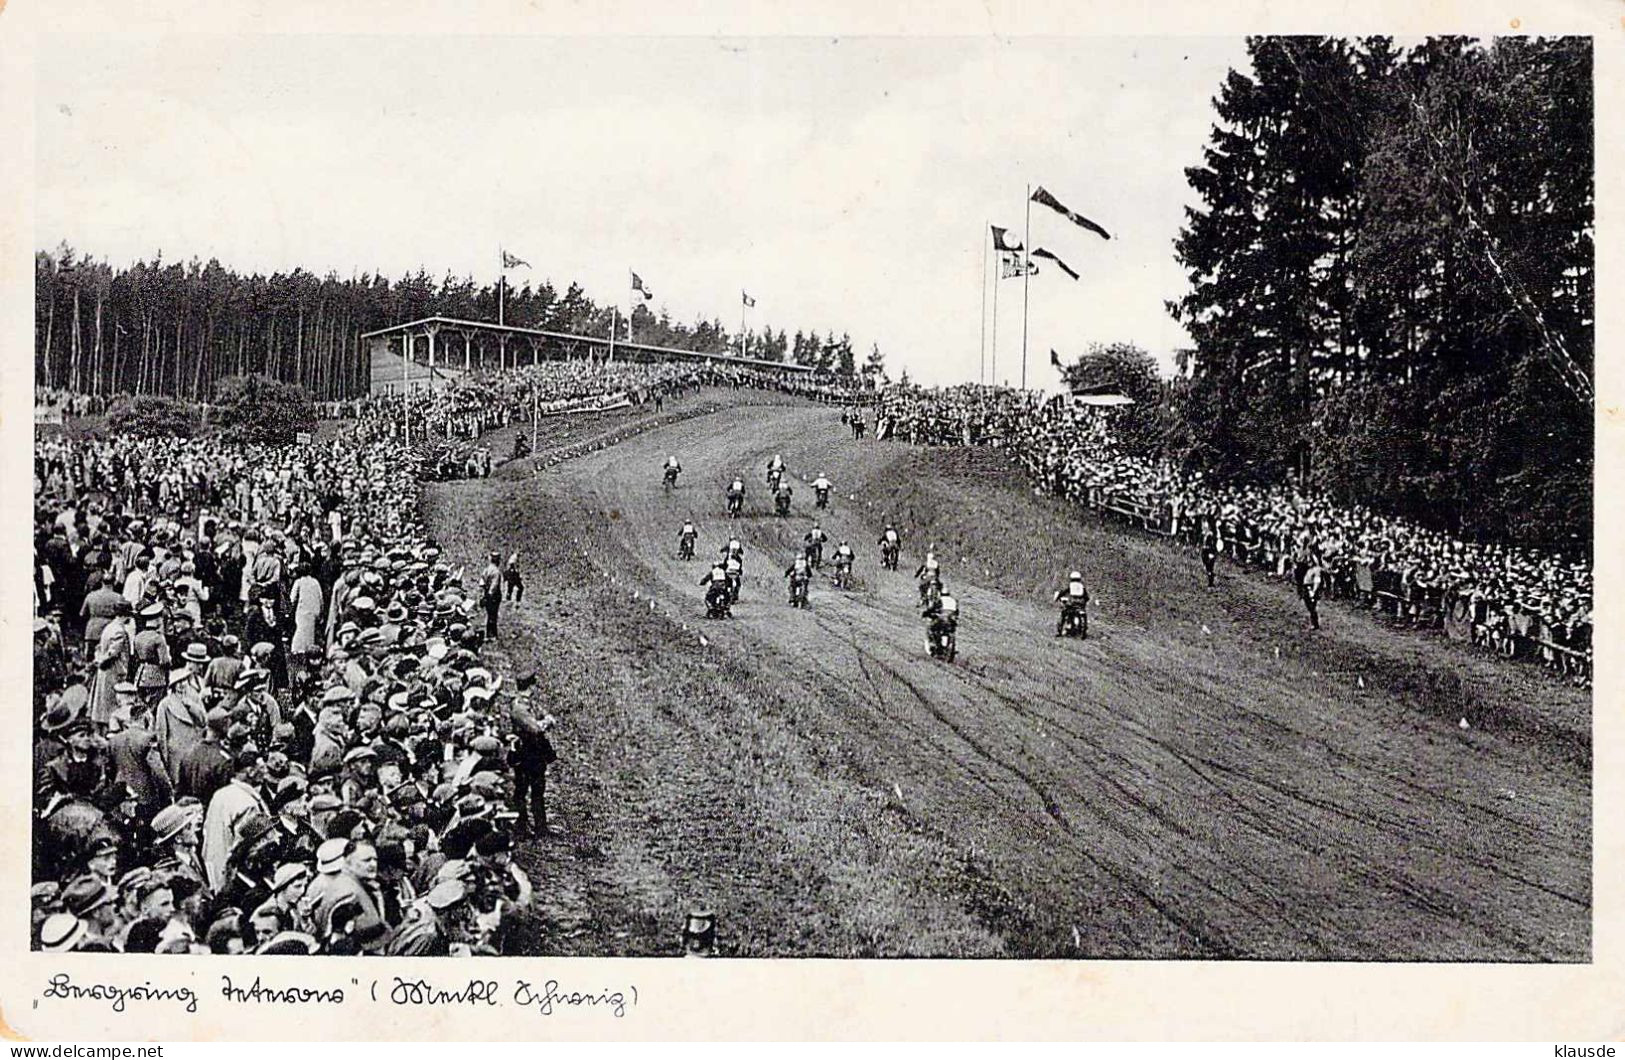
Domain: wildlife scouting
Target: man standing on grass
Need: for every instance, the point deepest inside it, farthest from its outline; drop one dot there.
(491, 593)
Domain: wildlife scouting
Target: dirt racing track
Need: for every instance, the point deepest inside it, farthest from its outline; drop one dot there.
(1203, 777)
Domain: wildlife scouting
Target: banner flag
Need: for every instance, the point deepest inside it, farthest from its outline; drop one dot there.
(1045, 198)
(1003, 244)
(511, 262)
(1063, 266)
(748, 300)
(1010, 267)
(637, 285)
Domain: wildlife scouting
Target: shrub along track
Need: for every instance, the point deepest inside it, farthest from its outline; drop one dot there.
(1201, 778)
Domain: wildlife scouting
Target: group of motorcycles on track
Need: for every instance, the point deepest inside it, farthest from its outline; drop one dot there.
(938, 606)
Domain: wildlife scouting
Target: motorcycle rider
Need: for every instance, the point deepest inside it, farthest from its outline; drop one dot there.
(890, 542)
(1074, 601)
(821, 487)
(685, 539)
(843, 557)
(781, 498)
(800, 573)
(734, 548)
(815, 540)
(929, 573)
(943, 614)
(734, 569)
(717, 588)
(736, 493)
(672, 469)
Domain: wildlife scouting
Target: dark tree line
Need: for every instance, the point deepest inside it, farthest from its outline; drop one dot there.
(1391, 280)
(176, 328)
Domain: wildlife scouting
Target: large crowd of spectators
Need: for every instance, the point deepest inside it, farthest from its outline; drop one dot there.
(469, 407)
(262, 719)
(1517, 601)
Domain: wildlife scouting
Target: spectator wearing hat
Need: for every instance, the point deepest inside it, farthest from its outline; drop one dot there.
(533, 753)
(252, 865)
(431, 923)
(288, 890)
(175, 835)
(357, 779)
(101, 862)
(223, 670)
(206, 767)
(180, 723)
(149, 651)
(265, 626)
(326, 886)
(81, 770)
(62, 933)
(253, 705)
(228, 812)
(137, 764)
(96, 906)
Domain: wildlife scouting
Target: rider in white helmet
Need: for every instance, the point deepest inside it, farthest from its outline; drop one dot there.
(1074, 599)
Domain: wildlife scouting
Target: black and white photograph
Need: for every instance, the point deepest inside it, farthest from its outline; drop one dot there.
(719, 496)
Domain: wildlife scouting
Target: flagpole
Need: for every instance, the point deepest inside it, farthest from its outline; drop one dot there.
(1026, 278)
(502, 280)
(742, 308)
(981, 369)
(406, 388)
(993, 347)
(614, 326)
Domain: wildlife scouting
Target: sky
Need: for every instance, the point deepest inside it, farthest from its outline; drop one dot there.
(846, 183)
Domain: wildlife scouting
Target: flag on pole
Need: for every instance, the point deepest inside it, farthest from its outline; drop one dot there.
(637, 285)
(1002, 244)
(748, 300)
(511, 262)
(1054, 358)
(1045, 198)
(1040, 252)
(1010, 266)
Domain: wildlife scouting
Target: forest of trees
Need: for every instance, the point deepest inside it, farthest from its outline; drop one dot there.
(175, 328)
(1391, 280)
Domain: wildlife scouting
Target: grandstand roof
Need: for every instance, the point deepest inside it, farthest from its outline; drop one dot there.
(603, 341)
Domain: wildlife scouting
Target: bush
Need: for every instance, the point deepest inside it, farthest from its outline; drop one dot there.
(153, 416)
(259, 409)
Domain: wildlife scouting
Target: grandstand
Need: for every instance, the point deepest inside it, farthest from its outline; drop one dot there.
(438, 351)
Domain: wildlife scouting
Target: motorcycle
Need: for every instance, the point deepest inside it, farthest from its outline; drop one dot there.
(888, 555)
(798, 592)
(685, 548)
(815, 555)
(940, 641)
(734, 582)
(736, 504)
(930, 594)
(781, 503)
(842, 576)
(671, 479)
(773, 480)
(1074, 623)
(822, 498)
(718, 603)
